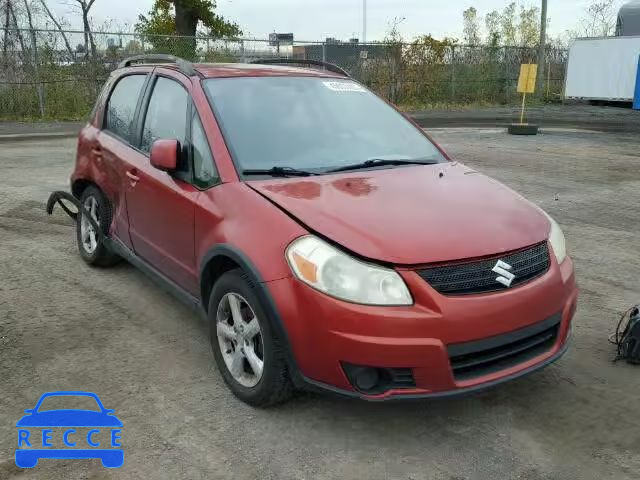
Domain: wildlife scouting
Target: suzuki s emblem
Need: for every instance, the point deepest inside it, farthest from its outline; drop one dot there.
(505, 276)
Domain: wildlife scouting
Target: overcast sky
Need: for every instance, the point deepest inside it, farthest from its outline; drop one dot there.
(317, 19)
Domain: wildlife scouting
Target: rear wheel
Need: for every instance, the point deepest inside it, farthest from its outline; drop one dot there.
(91, 244)
(247, 352)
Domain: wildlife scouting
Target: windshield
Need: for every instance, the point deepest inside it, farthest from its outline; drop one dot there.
(314, 124)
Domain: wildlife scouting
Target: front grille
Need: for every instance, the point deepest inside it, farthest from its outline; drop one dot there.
(476, 359)
(478, 277)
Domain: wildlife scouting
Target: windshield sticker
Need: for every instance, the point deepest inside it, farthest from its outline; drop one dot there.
(344, 87)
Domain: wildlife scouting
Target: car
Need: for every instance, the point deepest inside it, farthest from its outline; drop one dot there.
(330, 242)
(27, 455)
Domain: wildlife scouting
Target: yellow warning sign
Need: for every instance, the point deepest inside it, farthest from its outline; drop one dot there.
(527, 81)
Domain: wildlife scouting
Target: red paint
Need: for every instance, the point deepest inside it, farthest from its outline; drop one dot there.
(164, 154)
(411, 215)
(403, 216)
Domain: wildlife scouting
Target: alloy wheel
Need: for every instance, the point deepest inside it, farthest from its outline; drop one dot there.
(88, 234)
(240, 339)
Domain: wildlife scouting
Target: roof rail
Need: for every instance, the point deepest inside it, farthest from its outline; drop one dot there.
(309, 63)
(183, 65)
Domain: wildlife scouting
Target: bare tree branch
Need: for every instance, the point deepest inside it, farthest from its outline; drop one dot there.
(5, 44)
(18, 32)
(59, 27)
(88, 35)
(34, 48)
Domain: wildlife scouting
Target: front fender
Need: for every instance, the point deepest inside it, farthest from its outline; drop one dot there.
(225, 252)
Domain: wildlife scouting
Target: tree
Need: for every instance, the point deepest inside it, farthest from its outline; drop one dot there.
(508, 25)
(601, 19)
(492, 24)
(34, 56)
(60, 30)
(529, 27)
(182, 17)
(85, 8)
(471, 30)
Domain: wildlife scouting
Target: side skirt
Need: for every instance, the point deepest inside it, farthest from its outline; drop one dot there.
(158, 278)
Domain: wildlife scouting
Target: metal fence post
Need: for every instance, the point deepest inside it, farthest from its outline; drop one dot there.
(324, 51)
(453, 74)
(507, 80)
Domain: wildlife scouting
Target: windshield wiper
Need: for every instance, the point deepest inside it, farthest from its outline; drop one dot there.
(379, 162)
(280, 172)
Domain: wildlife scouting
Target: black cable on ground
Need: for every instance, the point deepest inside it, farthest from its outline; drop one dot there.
(627, 336)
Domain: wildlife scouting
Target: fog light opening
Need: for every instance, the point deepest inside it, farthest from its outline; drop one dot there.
(377, 380)
(367, 379)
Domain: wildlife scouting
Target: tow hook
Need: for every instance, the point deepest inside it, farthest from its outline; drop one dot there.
(61, 197)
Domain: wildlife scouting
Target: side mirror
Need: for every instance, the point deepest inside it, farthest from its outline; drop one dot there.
(164, 155)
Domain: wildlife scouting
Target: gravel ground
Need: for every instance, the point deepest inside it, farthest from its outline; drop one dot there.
(64, 325)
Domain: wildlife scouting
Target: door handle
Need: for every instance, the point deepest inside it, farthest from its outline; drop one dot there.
(97, 152)
(132, 176)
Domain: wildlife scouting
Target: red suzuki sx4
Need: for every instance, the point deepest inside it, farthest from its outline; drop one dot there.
(331, 244)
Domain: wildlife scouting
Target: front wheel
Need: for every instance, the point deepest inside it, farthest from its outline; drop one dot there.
(91, 244)
(248, 354)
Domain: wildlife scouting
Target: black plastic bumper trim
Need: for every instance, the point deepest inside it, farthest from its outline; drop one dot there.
(466, 348)
(322, 387)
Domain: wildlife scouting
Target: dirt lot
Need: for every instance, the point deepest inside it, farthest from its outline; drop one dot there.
(65, 326)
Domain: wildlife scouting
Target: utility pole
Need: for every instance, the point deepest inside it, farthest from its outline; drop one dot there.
(364, 21)
(542, 48)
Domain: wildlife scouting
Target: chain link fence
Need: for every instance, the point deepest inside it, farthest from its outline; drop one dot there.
(58, 75)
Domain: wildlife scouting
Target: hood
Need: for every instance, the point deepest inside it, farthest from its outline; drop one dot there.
(412, 215)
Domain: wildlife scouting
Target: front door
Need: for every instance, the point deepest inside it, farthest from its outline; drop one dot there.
(161, 206)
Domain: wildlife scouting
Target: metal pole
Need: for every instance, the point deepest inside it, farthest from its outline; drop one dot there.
(364, 21)
(549, 79)
(541, 48)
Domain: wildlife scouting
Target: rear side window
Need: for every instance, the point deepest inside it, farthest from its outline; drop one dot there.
(122, 106)
(167, 114)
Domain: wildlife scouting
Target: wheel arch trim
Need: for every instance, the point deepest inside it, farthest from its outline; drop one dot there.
(224, 250)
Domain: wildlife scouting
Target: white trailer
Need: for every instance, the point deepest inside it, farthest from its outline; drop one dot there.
(603, 69)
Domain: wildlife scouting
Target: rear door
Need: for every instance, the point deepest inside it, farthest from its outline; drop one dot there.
(160, 205)
(112, 146)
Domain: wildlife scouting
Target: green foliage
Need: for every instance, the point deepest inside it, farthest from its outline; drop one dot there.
(160, 25)
(508, 25)
(529, 26)
(161, 20)
(492, 23)
(471, 30)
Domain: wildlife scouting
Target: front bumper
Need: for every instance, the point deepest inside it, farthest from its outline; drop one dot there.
(325, 333)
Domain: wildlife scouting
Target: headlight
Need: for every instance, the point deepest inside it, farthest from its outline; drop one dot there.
(335, 273)
(556, 237)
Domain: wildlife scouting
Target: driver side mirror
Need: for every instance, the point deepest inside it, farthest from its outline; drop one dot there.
(164, 155)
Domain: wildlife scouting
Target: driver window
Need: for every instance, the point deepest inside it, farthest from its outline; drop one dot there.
(167, 113)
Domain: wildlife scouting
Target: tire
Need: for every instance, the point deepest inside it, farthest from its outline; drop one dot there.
(95, 252)
(273, 385)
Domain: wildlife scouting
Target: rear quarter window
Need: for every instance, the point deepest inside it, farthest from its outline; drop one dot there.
(121, 107)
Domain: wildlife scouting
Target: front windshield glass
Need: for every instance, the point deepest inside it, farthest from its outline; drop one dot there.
(313, 124)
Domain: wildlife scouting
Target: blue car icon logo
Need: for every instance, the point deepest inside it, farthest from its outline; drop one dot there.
(40, 433)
